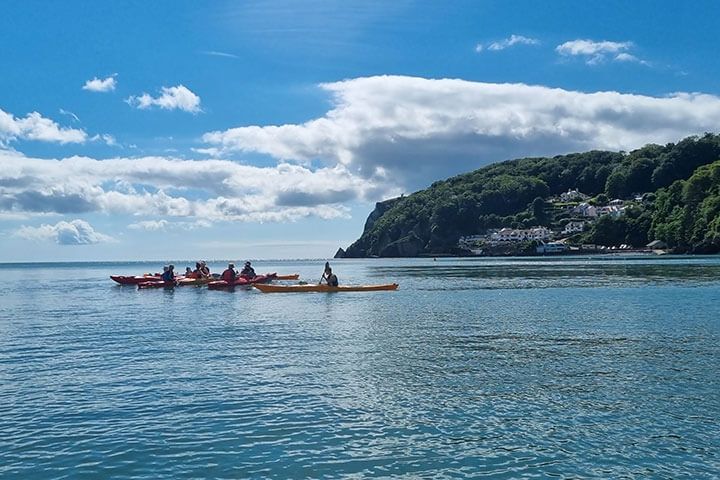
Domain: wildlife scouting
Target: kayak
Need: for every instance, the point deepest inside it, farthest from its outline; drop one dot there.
(134, 279)
(156, 284)
(325, 288)
(183, 282)
(240, 282)
(293, 276)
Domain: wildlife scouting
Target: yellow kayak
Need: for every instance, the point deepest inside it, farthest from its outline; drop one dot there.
(269, 288)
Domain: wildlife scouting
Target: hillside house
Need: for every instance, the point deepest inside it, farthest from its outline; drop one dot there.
(520, 235)
(573, 196)
(573, 227)
(585, 210)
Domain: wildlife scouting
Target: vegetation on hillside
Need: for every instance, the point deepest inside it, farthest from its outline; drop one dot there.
(687, 214)
(682, 208)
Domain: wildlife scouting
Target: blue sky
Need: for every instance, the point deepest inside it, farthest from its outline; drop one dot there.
(268, 129)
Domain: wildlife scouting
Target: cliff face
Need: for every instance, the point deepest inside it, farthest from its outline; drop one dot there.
(361, 248)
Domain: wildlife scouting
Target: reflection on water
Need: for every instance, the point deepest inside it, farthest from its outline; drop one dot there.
(506, 368)
(559, 273)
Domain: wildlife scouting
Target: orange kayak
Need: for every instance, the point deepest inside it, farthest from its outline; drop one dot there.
(269, 288)
(293, 276)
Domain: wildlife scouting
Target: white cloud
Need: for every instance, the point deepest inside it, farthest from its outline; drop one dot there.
(150, 225)
(36, 127)
(179, 97)
(109, 140)
(381, 136)
(192, 191)
(101, 85)
(214, 53)
(597, 52)
(70, 114)
(164, 225)
(75, 232)
(411, 131)
(512, 40)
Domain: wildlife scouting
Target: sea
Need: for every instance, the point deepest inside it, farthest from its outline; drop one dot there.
(558, 367)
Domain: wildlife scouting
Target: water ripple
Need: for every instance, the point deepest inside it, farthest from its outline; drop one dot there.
(504, 369)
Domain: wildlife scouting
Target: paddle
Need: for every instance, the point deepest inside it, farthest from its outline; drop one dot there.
(327, 266)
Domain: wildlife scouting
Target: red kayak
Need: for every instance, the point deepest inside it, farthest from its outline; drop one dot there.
(241, 282)
(134, 279)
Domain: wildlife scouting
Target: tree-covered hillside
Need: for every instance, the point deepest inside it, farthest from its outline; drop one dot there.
(514, 194)
(687, 214)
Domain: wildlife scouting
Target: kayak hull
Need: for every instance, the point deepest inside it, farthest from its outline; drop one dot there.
(293, 276)
(240, 282)
(133, 279)
(156, 284)
(184, 282)
(325, 288)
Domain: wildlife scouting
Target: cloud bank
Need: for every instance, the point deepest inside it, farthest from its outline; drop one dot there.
(75, 232)
(171, 98)
(194, 191)
(411, 131)
(381, 136)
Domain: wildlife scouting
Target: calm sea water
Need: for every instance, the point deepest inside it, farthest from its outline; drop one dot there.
(504, 368)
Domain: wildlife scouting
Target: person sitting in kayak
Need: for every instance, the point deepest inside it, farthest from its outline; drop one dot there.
(197, 273)
(203, 269)
(325, 271)
(330, 277)
(229, 275)
(248, 271)
(188, 272)
(168, 273)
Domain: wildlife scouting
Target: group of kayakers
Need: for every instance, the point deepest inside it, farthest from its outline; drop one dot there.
(230, 274)
(201, 271)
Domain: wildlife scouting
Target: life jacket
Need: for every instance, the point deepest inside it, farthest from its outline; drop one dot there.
(229, 275)
(248, 272)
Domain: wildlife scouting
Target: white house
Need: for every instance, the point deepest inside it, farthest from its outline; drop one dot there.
(517, 235)
(551, 247)
(612, 210)
(585, 210)
(573, 227)
(573, 196)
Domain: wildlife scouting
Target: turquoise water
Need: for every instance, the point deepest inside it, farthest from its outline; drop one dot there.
(504, 368)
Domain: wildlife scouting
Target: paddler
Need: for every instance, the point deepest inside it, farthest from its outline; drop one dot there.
(325, 272)
(248, 271)
(204, 269)
(230, 274)
(329, 277)
(168, 273)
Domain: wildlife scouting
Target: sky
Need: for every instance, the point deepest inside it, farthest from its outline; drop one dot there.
(268, 129)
